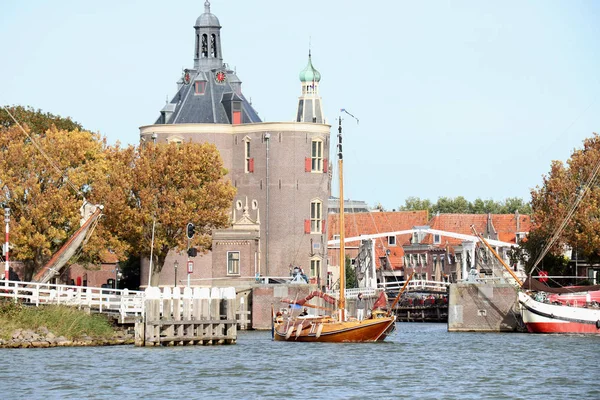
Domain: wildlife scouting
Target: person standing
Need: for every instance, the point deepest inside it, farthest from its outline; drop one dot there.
(360, 307)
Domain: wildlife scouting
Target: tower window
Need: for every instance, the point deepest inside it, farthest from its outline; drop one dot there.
(317, 156)
(213, 45)
(236, 113)
(315, 268)
(233, 263)
(199, 87)
(315, 216)
(249, 161)
(204, 46)
(197, 46)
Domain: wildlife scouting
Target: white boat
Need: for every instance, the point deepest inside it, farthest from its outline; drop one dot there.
(540, 316)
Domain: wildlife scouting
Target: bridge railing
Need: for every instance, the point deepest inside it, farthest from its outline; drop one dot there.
(417, 285)
(123, 301)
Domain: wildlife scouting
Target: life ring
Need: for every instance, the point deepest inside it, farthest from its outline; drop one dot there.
(598, 324)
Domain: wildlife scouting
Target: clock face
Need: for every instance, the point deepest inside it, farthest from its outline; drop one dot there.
(220, 76)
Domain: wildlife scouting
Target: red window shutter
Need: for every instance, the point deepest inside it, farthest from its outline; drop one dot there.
(325, 165)
(307, 226)
(323, 226)
(251, 165)
(307, 164)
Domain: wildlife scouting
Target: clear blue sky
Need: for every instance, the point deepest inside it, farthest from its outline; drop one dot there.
(471, 98)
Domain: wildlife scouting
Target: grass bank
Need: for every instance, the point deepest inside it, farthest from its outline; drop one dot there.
(60, 320)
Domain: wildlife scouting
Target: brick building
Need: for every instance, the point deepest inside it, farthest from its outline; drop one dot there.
(280, 170)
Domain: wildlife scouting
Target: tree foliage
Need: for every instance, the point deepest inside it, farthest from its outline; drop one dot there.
(351, 281)
(169, 184)
(45, 196)
(460, 205)
(36, 120)
(166, 185)
(552, 201)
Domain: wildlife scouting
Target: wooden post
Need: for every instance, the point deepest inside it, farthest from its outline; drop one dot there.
(230, 298)
(188, 330)
(215, 313)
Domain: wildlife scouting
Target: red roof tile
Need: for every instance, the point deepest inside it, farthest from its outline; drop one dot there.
(371, 223)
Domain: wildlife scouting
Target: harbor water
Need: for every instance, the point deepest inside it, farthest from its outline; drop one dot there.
(418, 361)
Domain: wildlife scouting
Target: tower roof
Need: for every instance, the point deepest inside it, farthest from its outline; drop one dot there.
(310, 74)
(207, 18)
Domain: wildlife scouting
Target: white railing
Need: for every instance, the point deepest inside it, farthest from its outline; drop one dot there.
(353, 293)
(416, 285)
(123, 301)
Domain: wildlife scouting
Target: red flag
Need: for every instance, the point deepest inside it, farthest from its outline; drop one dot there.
(381, 301)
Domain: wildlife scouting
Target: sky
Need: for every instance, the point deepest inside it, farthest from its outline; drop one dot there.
(454, 98)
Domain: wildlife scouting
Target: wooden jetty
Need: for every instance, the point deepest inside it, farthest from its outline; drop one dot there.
(199, 316)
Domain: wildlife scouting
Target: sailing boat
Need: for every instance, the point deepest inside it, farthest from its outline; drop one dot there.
(543, 313)
(337, 327)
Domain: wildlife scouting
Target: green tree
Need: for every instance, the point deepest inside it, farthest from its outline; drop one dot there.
(36, 121)
(416, 204)
(447, 205)
(351, 281)
(459, 205)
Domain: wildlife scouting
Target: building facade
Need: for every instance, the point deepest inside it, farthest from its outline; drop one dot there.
(280, 170)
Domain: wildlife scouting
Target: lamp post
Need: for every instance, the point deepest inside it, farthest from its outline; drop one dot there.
(6, 249)
(176, 265)
(117, 274)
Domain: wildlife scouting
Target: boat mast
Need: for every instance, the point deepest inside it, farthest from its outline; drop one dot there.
(510, 271)
(342, 301)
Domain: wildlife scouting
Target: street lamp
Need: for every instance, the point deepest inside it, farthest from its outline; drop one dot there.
(176, 265)
(117, 275)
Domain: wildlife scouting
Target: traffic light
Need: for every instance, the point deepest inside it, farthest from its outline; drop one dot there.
(191, 229)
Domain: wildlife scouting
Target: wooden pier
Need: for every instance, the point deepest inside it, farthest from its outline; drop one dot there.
(199, 316)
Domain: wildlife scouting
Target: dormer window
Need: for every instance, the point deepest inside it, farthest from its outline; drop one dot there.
(236, 113)
(437, 239)
(391, 240)
(199, 87)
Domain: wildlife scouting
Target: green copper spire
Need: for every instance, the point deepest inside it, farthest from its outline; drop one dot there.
(309, 74)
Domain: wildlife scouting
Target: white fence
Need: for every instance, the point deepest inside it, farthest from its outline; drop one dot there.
(418, 285)
(123, 301)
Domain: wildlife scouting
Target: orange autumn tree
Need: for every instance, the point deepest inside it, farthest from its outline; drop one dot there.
(43, 193)
(166, 185)
(552, 201)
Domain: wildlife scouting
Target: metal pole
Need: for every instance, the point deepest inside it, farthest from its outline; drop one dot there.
(176, 264)
(267, 138)
(6, 264)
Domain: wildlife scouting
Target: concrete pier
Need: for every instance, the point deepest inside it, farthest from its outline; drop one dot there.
(483, 307)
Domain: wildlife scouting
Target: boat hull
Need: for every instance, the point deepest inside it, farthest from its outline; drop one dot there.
(551, 318)
(330, 330)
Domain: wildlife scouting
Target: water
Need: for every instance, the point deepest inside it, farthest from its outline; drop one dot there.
(418, 361)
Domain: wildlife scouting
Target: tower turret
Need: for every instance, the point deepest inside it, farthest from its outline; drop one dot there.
(207, 50)
(309, 103)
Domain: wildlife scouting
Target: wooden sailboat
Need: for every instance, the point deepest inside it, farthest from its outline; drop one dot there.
(337, 327)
